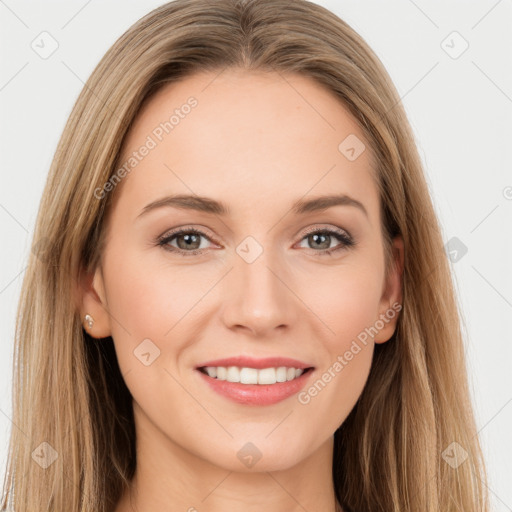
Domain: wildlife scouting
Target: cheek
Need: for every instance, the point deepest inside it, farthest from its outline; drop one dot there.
(149, 295)
(150, 302)
(346, 300)
(347, 303)
(153, 308)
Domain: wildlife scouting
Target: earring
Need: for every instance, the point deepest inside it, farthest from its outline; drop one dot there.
(89, 320)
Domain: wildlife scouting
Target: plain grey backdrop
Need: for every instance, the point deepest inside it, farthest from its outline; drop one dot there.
(451, 63)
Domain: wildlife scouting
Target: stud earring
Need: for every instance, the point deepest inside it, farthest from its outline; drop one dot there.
(89, 320)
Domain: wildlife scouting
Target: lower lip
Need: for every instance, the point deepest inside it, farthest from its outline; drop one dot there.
(256, 394)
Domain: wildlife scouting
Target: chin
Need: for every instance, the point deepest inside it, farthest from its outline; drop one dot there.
(259, 456)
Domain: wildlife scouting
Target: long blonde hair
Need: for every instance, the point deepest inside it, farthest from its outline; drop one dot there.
(390, 453)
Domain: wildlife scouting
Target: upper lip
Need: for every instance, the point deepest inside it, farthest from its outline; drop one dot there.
(251, 362)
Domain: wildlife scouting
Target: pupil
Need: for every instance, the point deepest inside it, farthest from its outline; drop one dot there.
(316, 236)
(189, 239)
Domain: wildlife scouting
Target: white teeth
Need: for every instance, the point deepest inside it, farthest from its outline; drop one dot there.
(266, 376)
(233, 374)
(249, 376)
(252, 375)
(281, 373)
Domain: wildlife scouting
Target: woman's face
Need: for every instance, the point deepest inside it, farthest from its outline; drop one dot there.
(251, 276)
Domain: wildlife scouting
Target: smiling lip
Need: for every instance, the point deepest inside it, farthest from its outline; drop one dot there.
(256, 394)
(251, 362)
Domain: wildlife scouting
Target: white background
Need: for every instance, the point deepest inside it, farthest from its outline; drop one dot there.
(460, 110)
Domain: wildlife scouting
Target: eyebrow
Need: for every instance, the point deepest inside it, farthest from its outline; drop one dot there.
(212, 206)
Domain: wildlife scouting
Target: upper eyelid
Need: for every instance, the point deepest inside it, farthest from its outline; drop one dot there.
(327, 228)
(172, 233)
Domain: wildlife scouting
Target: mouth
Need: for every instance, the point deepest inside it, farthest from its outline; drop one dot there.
(255, 381)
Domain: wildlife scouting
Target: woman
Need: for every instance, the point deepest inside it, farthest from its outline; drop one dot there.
(183, 343)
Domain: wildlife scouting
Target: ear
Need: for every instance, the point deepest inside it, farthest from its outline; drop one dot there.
(391, 301)
(91, 300)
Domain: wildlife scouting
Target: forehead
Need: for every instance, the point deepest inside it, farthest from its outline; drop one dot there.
(247, 138)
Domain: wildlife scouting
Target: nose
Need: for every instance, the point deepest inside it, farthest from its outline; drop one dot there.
(258, 297)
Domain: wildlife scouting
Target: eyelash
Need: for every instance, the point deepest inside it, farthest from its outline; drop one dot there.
(346, 240)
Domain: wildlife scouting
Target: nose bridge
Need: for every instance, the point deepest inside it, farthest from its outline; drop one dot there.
(256, 295)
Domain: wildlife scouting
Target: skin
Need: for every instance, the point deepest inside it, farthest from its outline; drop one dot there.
(257, 142)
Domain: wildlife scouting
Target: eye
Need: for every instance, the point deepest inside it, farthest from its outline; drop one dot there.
(188, 241)
(322, 238)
